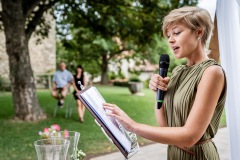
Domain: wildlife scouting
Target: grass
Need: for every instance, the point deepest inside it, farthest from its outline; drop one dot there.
(17, 137)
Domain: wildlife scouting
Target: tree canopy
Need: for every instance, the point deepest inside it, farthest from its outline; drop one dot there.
(97, 31)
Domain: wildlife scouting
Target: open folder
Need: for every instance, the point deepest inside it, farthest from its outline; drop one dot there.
(125, 141)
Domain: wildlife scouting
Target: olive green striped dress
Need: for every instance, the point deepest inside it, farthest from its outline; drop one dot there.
(178, 102)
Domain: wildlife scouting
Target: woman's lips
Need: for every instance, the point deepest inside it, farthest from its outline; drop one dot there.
(175, 49)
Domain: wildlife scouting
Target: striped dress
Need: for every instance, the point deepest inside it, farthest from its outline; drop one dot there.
(178, 102)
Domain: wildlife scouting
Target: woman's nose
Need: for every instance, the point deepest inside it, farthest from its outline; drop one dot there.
(171, 39)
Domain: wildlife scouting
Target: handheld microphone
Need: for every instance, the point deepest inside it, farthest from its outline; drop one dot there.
(163, 69)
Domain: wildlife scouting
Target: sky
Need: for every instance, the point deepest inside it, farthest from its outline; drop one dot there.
(209, 5)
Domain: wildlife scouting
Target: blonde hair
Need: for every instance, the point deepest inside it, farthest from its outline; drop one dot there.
(195, 18)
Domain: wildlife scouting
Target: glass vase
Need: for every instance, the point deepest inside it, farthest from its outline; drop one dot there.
(52, 148)
(73, 138)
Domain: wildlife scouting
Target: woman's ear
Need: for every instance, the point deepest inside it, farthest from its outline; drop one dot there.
(200, 33)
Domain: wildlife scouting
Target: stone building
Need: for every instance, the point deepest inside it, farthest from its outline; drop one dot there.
(43, 55)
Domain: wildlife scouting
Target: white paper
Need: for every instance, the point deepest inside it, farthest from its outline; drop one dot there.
(94, 98)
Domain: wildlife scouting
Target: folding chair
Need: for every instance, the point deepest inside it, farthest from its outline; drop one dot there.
(69, 102)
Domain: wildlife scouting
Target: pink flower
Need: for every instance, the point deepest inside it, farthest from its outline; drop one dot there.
(56, 127)
(45, 130)
(66, 133)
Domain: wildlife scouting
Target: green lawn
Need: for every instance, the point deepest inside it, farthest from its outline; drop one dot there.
(16, 138)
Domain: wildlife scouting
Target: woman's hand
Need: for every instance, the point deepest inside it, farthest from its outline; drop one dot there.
(157, 82)
(121, 116)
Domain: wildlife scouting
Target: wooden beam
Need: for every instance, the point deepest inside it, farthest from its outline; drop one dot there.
(214, 46)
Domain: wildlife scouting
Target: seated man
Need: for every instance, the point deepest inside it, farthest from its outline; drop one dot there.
(62, 80)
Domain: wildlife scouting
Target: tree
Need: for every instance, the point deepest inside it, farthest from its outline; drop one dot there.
(104, 29)
(19, 20)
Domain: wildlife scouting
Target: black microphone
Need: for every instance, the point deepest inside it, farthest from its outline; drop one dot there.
(163, 69)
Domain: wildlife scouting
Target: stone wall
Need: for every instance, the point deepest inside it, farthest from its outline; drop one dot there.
(43, 56)
(4, 67)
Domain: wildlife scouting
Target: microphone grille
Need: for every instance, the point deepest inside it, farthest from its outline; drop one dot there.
(164, 61)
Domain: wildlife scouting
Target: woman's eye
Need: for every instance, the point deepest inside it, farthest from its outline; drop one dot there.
(177, 33)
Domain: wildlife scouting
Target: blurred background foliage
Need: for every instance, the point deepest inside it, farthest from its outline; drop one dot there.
(94, 32)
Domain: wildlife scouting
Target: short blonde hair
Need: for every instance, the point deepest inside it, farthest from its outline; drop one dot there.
(195, 18)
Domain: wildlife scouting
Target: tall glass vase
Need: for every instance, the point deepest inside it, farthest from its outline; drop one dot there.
(52, 149)
(73, 137)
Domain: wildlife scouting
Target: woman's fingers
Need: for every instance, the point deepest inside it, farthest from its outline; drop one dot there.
(167, 79)
(120, 115)
(112, 107)
(115, 116)
(162, 84)
(109, 108)
(109, 104)
(152, 87)
(153, 84)
(157, 82)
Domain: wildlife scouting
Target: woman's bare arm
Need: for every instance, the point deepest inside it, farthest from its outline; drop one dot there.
(74, 85)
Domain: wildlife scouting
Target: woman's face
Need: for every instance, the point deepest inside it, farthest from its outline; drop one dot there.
(79, 70)
(183, 41)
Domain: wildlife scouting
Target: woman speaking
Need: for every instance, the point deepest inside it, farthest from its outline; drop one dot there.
(195, 93)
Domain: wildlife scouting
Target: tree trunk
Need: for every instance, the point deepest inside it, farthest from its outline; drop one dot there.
(214, 46)
(104, 78)
(21, 75)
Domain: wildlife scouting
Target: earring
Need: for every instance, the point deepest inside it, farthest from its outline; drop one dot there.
(199, 38)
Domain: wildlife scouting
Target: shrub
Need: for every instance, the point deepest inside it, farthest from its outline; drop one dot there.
(112, 75)
(121, 75)
(120, 84)
(134, 79)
